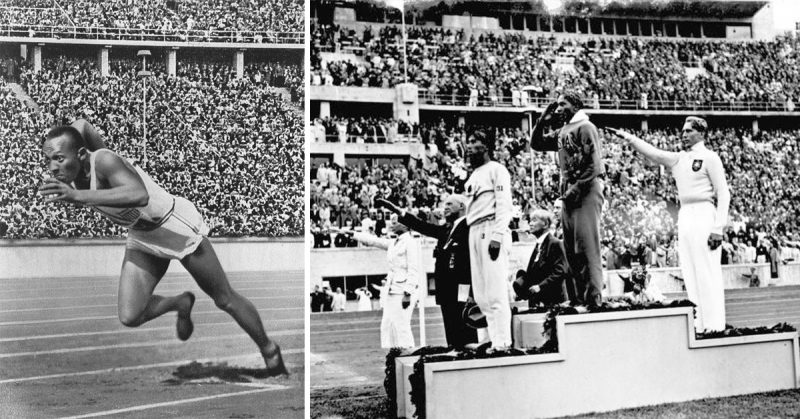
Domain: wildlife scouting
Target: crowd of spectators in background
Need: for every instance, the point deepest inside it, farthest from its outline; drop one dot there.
(234, 147)
(242, 21)
(369, 129)
(491, 68)
(641, 199)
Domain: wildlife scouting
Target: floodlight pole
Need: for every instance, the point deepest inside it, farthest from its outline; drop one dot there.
(144, 74)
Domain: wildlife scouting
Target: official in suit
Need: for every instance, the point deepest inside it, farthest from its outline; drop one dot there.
(542, 283)
(451, 268)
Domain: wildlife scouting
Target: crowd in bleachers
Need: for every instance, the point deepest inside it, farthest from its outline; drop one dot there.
(363, 130)
(33, 12)
(484, 68)
(641, 199)
(232, 146)
(248, 21)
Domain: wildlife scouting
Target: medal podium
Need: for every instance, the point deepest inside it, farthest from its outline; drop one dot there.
(605, 361)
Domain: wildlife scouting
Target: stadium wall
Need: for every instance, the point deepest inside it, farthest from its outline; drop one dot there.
(339, 150)
(103, 257)
(775, 18)
(352, 94)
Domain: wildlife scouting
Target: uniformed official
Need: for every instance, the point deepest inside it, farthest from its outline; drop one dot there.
(488, 216)
(700, 178)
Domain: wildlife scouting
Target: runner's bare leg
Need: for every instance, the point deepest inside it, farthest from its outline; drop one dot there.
(141, 272)
(207, 271)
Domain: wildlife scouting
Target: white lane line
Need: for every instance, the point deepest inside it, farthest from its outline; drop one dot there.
(177, 402)
(23, 310)
(84, 296)
(73, 319)
(171, 276)
(141, 344)
(66, 284)
(143, 367)
(122, 331)
(114, 284)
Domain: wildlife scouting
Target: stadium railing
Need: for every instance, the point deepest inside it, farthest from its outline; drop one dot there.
(428, 98)
(399, 138)
(138, 34)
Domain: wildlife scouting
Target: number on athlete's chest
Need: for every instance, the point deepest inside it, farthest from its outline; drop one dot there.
(478, 187)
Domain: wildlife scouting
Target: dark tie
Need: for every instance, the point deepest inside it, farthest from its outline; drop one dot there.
(536, 251)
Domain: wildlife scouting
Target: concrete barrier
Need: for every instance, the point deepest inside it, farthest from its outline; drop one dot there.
(612, 361)
(103, 257)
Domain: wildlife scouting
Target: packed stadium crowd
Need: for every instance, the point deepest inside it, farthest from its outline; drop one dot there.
(641, 199)
(237, 21)
(451, 66)
(232, 146)
(363, 130)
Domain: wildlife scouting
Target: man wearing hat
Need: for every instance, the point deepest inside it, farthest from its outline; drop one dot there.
(542, 282)
(700, 178)
(488, 215)
(452, 267)
(579, 150)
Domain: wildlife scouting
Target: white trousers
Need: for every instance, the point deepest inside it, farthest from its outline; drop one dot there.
(489, 282)
(396, 323)
(701, 267)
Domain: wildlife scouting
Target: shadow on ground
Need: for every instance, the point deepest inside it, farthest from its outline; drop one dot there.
(215, 372)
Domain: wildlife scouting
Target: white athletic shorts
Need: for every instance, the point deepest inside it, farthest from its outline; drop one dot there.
(176, 238)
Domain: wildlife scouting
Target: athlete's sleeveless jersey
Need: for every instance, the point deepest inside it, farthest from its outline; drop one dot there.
(159, 207)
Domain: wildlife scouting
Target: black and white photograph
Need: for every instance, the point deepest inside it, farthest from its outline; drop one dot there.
(152, 209)
(552, 208)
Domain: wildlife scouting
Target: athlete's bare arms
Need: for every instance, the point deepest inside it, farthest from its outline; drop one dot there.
(90, 175)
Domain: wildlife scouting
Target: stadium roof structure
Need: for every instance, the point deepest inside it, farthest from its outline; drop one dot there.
(680, 8)
(721, 9)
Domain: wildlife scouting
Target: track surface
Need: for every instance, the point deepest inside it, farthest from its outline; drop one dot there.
(64, 353)
(345, 347)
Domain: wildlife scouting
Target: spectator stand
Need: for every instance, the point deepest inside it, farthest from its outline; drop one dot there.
(193, 21)
(456, 67)
(641, 199)
(230, 143)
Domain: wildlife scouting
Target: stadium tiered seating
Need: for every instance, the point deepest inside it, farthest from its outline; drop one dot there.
(233, 147)
(491, 68)
(215, 21)
(639, 196)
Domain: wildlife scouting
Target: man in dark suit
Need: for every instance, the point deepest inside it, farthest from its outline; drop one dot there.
(542, 282)
(452, 268)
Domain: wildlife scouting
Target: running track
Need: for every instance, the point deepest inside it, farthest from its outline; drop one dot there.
(64, 353)
(345, 347)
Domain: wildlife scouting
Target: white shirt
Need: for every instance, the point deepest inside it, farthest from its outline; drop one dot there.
(489, 193)
(159, 205)
(403, 257)
(339, 302)
(700, 177)
(538, 247)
